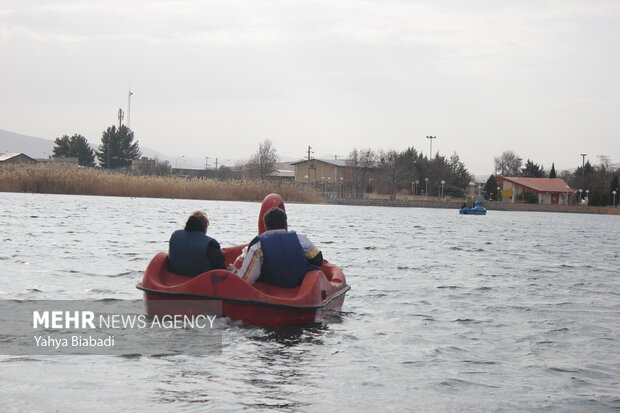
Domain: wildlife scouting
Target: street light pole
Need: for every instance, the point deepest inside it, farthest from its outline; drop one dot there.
(442, 184)
(614, 192)
(431, 140)
(426, 193)
(583, 164)
(176, 162)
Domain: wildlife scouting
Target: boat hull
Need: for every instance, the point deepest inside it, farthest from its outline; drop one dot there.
(472, 211)
(222, 292)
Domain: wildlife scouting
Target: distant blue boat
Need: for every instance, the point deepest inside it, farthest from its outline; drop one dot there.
(478, 209)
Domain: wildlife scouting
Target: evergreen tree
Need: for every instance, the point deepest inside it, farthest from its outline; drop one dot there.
(552, 173)
(490, 188)
(533, 170)
(75, 146)
(117, 148)
(588, 169)
(460, 175)
(62, 147)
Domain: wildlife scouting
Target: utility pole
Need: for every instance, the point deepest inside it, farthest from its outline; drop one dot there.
(121, 116)
(129, 108)
(431, 153)
(309, 152)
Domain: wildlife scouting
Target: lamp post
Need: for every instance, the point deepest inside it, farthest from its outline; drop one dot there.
(442, 184)
(341, 187)
(580, 191)
(583, 164)
(426, 193)
(430, 138)
(587, 197)
(497, 197)
(614, 192)
(176, 162)
(307, 180)
(471, 190)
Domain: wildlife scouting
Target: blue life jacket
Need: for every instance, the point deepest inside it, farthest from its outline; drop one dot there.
(187, 253)
(284, 262)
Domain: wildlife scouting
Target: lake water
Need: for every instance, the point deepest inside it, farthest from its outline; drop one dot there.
(512, 311)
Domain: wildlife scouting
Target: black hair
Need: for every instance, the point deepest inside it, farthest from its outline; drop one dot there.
(275, 218)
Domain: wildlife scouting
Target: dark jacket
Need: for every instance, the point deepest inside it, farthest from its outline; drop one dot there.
(192, 252)
(284, 262)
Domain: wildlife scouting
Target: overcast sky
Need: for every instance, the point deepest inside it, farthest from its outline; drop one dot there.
(215, 78)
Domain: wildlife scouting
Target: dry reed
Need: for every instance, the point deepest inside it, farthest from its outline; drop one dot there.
(72, 180)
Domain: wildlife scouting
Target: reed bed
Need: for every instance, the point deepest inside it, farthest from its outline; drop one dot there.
(72, 180)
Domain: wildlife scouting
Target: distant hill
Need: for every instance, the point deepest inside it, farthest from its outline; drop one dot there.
(29, 145)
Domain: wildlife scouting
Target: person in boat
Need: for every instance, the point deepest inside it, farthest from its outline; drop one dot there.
(191, 251)
(278, 256)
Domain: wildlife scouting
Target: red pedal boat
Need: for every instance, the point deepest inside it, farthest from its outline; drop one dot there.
(220, 291)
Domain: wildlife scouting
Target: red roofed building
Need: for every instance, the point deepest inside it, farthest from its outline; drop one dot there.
(549, 190)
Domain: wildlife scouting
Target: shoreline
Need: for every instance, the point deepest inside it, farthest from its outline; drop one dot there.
(489, 205)
(62, 180)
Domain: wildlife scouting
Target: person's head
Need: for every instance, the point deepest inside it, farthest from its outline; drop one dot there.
(275, 218)
(197, 221)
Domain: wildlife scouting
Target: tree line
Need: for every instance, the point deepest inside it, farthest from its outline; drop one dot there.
(367, 170)
(406, 172)
(117, 148)
(389, 172)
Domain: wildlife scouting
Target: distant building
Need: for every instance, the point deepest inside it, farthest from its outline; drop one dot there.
(143, 165)
(70, 160)
(550, 191)
(188, 173)
(284, 171)
(320, 170)
(15, 158)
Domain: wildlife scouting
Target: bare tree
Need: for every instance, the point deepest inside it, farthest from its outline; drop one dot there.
(368, 160)
(393, 168)
(508, 164)
(359, 164)
(263, 162)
